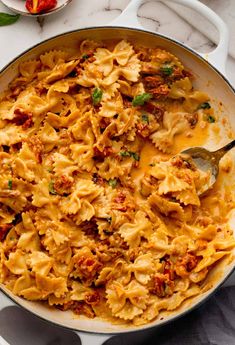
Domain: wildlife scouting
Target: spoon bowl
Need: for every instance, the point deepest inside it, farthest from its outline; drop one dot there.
(208, 161)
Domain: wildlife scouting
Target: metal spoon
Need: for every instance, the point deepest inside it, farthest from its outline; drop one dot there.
(208, 161)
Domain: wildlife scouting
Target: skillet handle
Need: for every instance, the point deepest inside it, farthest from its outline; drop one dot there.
(4, 302)
(217, 57)
(89, 338)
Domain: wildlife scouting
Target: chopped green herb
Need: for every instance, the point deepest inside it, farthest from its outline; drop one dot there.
(97, 96)
(85, 56)
(141, 99)
(210, 119)
(145, 118)
(166, 70)
(12, 238)
(109, 219)
(113, 182)
(135, 156)
(205, 105)
(9, 184)
(107, 232)
(125, 153)
(49, 169)
(51, 188)
(130, 154)
(8, 19)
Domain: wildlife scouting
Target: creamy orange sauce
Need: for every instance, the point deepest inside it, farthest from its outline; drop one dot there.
(182, 141)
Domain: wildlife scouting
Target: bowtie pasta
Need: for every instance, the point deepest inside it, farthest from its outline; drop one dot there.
(98, 214)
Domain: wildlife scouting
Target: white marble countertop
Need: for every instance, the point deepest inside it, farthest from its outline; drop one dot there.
(19, 326)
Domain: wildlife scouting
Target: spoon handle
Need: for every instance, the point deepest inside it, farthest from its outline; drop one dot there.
(221, 152)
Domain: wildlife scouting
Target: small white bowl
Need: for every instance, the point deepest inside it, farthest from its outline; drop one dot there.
(18, 6)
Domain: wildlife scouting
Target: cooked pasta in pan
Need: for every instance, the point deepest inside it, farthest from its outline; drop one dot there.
(98, 212)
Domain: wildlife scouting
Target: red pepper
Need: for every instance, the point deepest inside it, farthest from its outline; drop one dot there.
(39, 6)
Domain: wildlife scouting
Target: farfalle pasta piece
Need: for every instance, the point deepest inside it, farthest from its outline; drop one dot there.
(61, 70)
(40, 262)
(48, 137)
(132, 232)
(128, 301)
(12, 135)
(41, 196)
(50, 284)
(166, 207)
(105, 59)
(82, 156)
(173, 124)
(63, 165)
(16, 262)
(142, 268)
(50, 59)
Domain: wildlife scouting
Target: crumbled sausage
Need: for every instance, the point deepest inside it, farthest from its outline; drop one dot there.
(153, 81)
(156, 110)
(23, 118)
(162, 286)
(87, 267)
(92, 298)
(185, 265)
(192, 119)
(63, 184)
(143, 130)
(160, 92)
(36, 146)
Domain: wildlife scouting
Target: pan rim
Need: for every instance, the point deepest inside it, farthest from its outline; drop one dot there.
(216, 288)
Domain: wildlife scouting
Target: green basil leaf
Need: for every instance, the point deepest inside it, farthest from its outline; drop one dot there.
(141, 99)
(130, 154)
(113, 182)
(145, 118)
(125, 154)
(9, 184)
(51, 188)
(166, 70)
(85, 56)
(8, 19)
(205, 105)
(97, 96)
(135, 156)
(210, 119)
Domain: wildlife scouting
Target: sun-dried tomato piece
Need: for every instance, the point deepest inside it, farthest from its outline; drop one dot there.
(23, 118)
(160, 92)
(153, 81)
(87, 267)
(186, 264)
(4, 228)
(162, 285)
(143, 130)
(92, 298)
(100, 155)
(39, 6)
(63, 184)
(155, 110)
